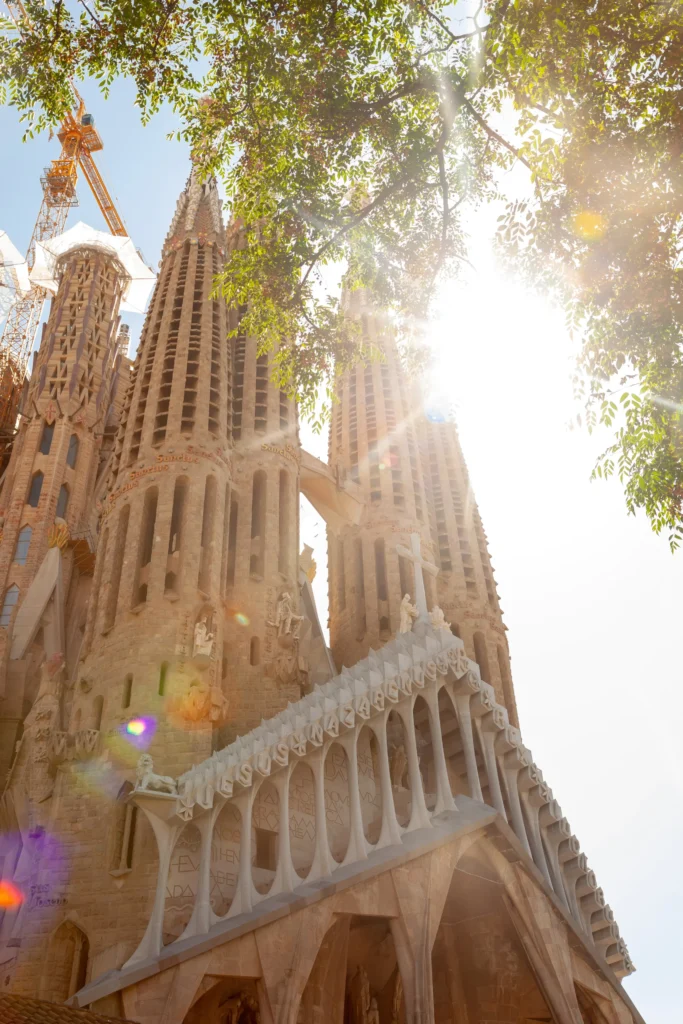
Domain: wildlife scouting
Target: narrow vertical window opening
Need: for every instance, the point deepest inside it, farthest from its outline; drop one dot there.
(208, 520)
(149, 515)
(258, 524)
(117, 568)
(284, 524)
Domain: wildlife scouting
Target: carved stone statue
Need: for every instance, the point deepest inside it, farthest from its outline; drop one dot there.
(359, 990)
(373, 1012)
(203, 639)
(286, 622)
(41, 723)
(146, 778)
(408, 615)
(397, 1000)
(203, 702)
(398, 764)
(437, 619)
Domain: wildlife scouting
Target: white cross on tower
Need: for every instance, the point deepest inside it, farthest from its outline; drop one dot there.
(419, 565)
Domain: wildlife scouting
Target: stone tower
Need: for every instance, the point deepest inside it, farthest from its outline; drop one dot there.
(48, 494)
(156, 622)
(374, 442)
(263, 659)
(466, 589)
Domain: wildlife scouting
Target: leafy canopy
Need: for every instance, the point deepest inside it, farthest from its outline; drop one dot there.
(358, 131)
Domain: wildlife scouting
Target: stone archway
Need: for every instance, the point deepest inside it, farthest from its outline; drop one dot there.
(229, 1001)
(66, 966)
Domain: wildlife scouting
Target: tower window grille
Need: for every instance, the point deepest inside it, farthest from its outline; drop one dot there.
(215, 380)
(261, 395)
(23, 544)
(238, 390)
(353, 427)
(371, 430)
(439, 509)
(194, 348)
(284, 411)
(170, 354)
(150, 345)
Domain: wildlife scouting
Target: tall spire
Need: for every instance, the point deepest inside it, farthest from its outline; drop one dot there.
(156, 620)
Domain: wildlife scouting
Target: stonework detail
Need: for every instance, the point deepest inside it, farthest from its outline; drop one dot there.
(211, 816)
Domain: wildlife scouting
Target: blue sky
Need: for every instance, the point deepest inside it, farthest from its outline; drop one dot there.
(592, 599)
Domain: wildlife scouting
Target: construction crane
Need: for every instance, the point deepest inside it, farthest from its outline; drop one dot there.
(79, 140)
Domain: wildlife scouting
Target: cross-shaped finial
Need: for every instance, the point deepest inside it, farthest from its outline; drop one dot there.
(414, 555)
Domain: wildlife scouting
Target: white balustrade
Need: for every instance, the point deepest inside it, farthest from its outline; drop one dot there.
(422, 663)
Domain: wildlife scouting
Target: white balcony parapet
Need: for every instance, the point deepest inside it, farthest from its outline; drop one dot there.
(480, 754)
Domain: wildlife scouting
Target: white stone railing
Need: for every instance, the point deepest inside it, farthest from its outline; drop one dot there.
(382, 750)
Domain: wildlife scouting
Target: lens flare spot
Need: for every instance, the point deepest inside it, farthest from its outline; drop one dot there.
(10, 896)
(136, 726)
(241, 619)
(590, 225)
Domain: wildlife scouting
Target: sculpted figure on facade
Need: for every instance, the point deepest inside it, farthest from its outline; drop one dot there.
(203, 702)
(146, 779)
(203, 639)
(437, 619)
(286, 621)
(40, 726)
(408, 614)
(359, 991)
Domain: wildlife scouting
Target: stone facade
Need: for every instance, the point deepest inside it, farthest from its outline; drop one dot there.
(202, 822)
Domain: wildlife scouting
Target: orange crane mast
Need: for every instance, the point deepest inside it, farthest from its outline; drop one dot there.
(79, 140)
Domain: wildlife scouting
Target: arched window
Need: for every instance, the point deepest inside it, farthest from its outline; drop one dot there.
(208, 524)
(62, 501)
(381, 569)
(72, 453)
(127, 691)
(97, 708)
(481, 654)
(146, 544)
(254, 651)
(35, 489)
(283, 524)
(23, 543)
(11, 598)
(66, 966)
(125, 815)
(258, 524)
(117, 568)
(46, 438)
(232, 545)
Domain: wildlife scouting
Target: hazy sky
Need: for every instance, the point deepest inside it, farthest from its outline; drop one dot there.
(592, 599)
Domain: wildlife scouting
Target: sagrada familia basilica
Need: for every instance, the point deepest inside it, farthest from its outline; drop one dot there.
(209, 815)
